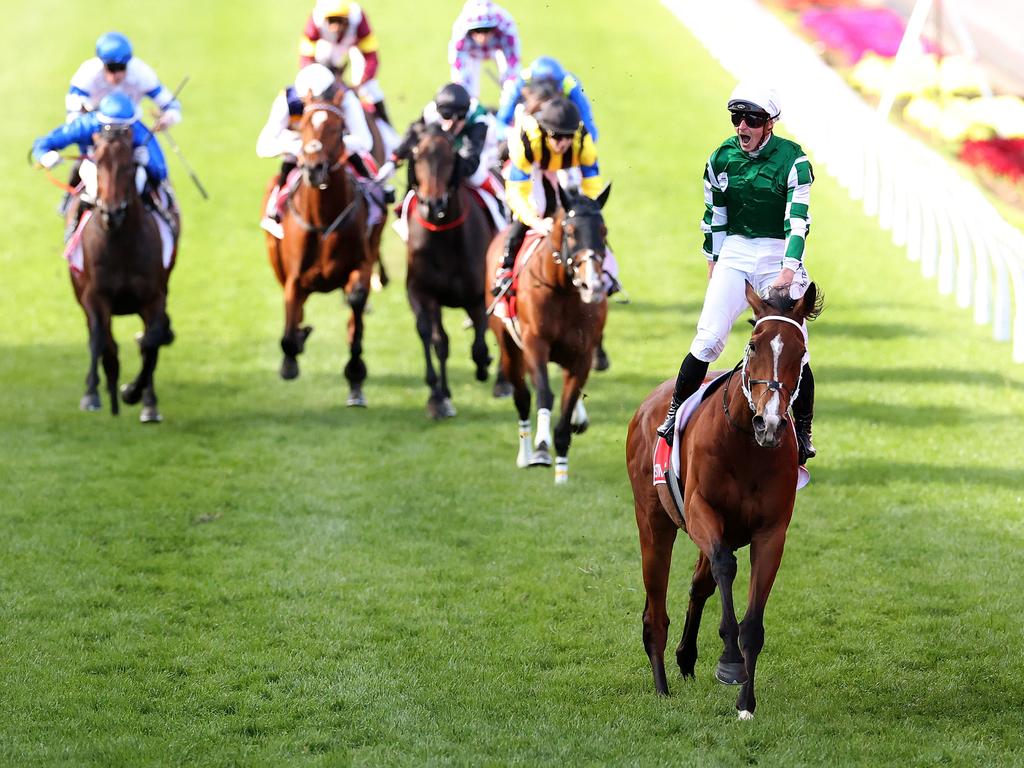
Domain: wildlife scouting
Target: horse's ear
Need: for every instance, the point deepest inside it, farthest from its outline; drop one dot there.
(809, 305)
(565, 196)
(603, 197)
(756, 303)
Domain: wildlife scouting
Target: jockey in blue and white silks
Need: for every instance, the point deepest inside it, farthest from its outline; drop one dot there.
(115, 69)
(115, 109)
(546, 69)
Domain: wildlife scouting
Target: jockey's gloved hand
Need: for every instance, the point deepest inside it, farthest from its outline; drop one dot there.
(47, 159)
(385, 172)
(141, 155)
(168, 118)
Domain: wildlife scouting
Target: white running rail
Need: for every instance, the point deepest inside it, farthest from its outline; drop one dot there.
(942, 219)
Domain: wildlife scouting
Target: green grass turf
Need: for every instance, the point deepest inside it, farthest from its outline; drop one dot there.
(270, 578)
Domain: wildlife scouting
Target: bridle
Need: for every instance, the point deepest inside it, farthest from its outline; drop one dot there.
(114, 216)
(313, 146)
(567, 258)
(772, 385)
(445, 198)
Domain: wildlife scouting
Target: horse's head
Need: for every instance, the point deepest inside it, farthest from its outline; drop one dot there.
(115, 174)
(434, 160)
(774, 360)
(323, 147)
(581, 232)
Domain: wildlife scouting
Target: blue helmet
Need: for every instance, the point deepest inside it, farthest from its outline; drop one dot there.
(547, 68)
(113, 48)
(116, 109)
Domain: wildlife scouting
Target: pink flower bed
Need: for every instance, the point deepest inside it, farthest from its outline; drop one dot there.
(1004, 157)
(853, 32)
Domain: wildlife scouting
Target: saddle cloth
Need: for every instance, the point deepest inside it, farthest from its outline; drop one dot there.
(666, 457)
(73, 247)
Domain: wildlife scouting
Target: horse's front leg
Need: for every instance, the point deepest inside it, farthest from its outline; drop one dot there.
(357, 293)
(537, 354)
(98, 323)
(571, 388)
(424, 310)
(478, 317)
(702, 586)
(293, 341)
(765, 557)
(156, 333)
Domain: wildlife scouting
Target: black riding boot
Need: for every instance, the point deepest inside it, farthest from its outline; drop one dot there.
(357, 164)
(513, 242)
(803, 413)
(691, 375)
(382, 111)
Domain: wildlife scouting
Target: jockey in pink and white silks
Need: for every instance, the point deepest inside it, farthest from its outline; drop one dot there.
(483, 30)
(280, 136)
(757, 189)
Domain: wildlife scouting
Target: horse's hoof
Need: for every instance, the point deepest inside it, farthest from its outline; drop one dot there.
(289, 369)
(150, 415)
(481, 374)
(502, 389)
(356, 399)
(579, 429)
(601, 361)
(745, 714)
(541, 457)
(731, 673)
(90, 403)
(130, 395)
(440, 408)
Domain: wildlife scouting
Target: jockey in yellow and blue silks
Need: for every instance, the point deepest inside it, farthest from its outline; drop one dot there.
(553, 140)
(546, 69)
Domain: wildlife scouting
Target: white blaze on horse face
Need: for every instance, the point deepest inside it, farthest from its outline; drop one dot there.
(312, 147)
(771, 410)
(318, 119)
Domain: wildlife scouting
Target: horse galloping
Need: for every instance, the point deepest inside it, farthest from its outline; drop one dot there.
(738, 472)
(122, 273)
(561, 311)
(449, 233)
(327, 243)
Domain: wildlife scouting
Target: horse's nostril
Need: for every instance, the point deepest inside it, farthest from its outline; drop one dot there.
(758, 423)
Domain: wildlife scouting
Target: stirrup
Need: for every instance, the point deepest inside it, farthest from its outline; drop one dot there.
(668, 426)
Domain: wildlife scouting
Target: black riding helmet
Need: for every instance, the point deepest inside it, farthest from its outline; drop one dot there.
(559, 117)
(452, 101)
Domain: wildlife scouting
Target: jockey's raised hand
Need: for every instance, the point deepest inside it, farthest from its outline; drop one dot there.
(47, 160)
(385, 172)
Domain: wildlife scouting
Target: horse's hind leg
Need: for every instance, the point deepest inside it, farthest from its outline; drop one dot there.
(765, 557)
(657, 535)
(157, 333)
(701, 588)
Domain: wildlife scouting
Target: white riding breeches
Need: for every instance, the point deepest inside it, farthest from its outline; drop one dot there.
(742, 260)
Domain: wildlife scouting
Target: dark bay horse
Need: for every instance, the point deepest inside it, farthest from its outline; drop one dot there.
(561, 309)
(738, 471)
(122, 274)
(327, 242)
(448, 237)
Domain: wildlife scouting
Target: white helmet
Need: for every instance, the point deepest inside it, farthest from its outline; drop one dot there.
(754, 97)
(316, 78)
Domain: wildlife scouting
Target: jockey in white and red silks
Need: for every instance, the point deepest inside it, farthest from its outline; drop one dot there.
(337, 32)
(484, 30)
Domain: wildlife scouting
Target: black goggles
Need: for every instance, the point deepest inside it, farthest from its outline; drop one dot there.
(115, 66)
(753, 119)
(451, 113)
(560, 136)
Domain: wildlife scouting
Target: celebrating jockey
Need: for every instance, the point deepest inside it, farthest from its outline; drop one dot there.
(336, 31)
(484, 30)
(280, 136)
(546, 70)
(115, 110)
(551, 140)
(475, 147)
(756, 193)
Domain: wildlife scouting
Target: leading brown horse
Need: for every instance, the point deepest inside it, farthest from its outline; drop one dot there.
(738, 470)
(328, 243)
(449, 233)
(561, 313)
(122, 274)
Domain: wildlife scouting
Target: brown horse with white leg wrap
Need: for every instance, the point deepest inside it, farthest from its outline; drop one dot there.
(561, 310)
(738, 474)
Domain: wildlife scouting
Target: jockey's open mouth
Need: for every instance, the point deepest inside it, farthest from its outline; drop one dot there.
(746, 137)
